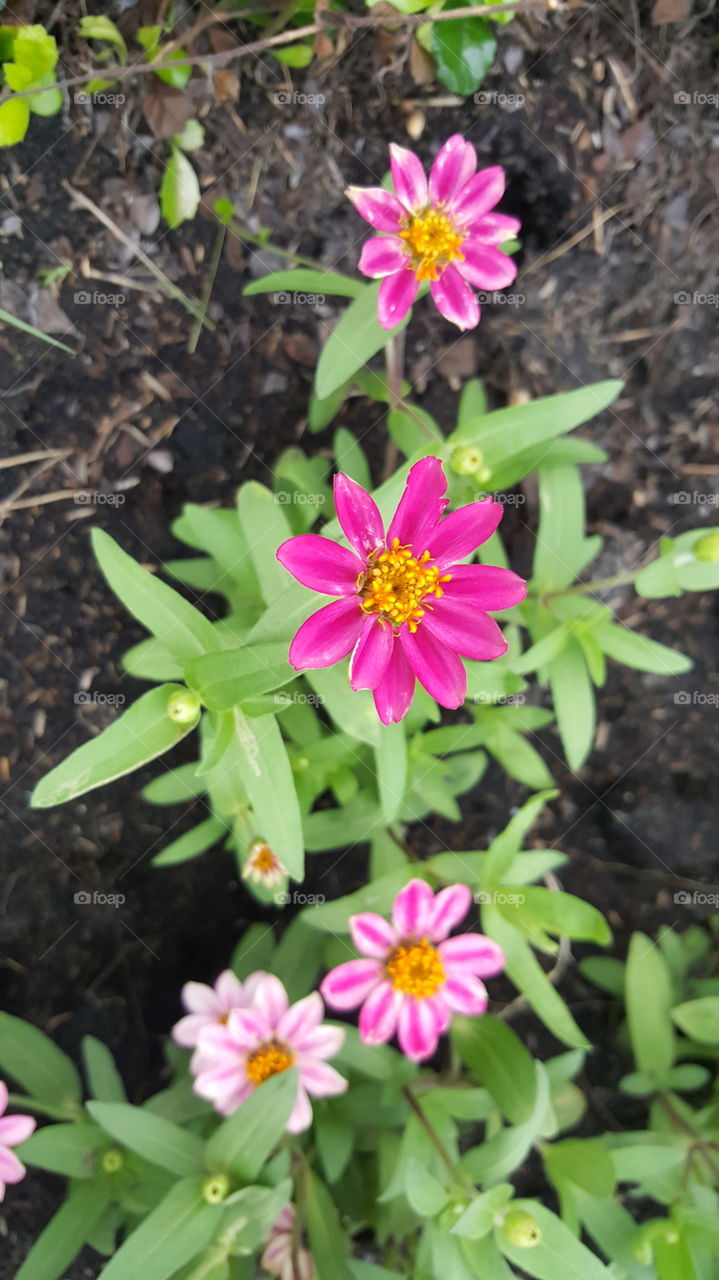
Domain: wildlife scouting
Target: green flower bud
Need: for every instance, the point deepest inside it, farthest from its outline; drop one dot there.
(707, 548)
(466, 460)
(215, 1189)
(521, 1229)
(112, 1161)
(183, 707)
(651, 1232)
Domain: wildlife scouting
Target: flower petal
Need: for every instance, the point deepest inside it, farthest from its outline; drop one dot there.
(327, 636)
(346, 986)
(471, 953)
(16, 1129)
(485, 586)
(454, 299)
(438, 670)
(380, 208)
(301, 1117)
(198, 997)
(485, 267)
(449, 907)
(465, 994)
(230, 991)
(372, 934)
(378, 1015)
(441, 1010)
(417, 1029)
(473, 635)
(455, 164)
(408, 178)
(319, 1079)
(421, 505)
(219, 1083)
(358, 515)
(217, 1047)
(232, 1098)
(461, 532)
(186, 1031)
(11, 1170)
(393, 695)
(371, 654)
(247, 1027)
(382, 256)
(271, 999)
(321, 1042)
(3, 1097)
(320, 564)
(301, 1018)
(412, 909)
(396, 295)
(479, 195)
(496, 228)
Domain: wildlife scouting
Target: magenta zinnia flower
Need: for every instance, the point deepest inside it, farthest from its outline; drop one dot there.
(261, 1042)
(408, 607)
(443, 231)
(13, 1131)
(415, 976)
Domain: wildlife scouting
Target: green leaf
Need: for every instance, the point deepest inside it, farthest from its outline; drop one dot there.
(350, 458)
(5, 316)
(557, 1248)
(507, 844)
(193, 843)
(14, 121)
(328, 1242)
(223, 680)
(680, 567)
(265, 526)
(180, 193)
(508, 432)
(95, 26)
(638, 651)
(558, 453)
(176, 76)
(152, 1137)
(480, 1216)
(574, 703)
(181, 628)
(171, 1235)
(193, 134)
(243, 1143)
(31, 1058)
(174, 786)
(391, 756)
(142, 733)
(335, 1144)
(66, 1233)
(103, 1077)
(519, 758)
(582, 1161)
(498, 1060)
(699, 1019)
(505, 1151)
(305, 280)
(353, 342)
(425, 1193)
(70, 1149)
(566, 916)
(562, 550)
(267, 776)
(463, 50)
(650, 1024)
(298, 55)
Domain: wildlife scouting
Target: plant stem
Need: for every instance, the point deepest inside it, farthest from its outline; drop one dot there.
(207, 292)
(394, 362)
(597, 584)
(429, 1129)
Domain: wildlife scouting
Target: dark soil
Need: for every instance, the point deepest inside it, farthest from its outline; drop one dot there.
(149, 424)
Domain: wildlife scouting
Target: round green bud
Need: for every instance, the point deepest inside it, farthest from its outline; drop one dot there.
(215, 1189)
(521, 1229)
(466, 460)
(183, 707)
(484, 475)
(649, 1234)
(707, 548)
(112, 1161)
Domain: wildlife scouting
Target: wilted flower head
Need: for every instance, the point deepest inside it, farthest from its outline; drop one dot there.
(408, 606)
(415, 976)
(262, 1041)
(282, 1256)
(13, 1131)
(263, 867)
(444, 231)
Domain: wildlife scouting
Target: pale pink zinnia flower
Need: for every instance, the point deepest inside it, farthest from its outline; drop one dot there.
(408, 606)
(415, 976)
(211, 1007)
(283, 1256)
(261, 1042)
(443, 231)
(13, 1131)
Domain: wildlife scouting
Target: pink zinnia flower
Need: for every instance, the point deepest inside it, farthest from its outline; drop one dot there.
(13, 1131)
(263, 1041)
(211, 1006)
(443, 231)
(283, 1257)
(415, 976)
(408, 607)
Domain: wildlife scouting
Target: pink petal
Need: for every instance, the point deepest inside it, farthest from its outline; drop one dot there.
(271, 999)
(230, 991)
(219, 1082)
(380, 208)
(378, 1015)
(473, 635)
(455, 164)
(485, 586)
(247, 1027)
(232, 1099)
(322, 1042)
(441, 1011)
(461, 532)
(251, 984)
(371, 654)
(438, 670)
(186, 1031)
(412, 909)
(479, 195)
(465, 994)
(485, 267)
(471, 953)
(408, 178)
(396, 295)
(277, 1253)
(421, 505)
(327, 636)
(216, 1046)
(301, 1117)
(320, 1079)
(382, 256)
(496, 228)
(16, 1129)
(417, 1029)
(320, 564)
(197, 997)
(372, 935)
(301, 1018)
(393, 695)
(11, 1170)
(358, 515)
(3, 1097)
(454, 299)
(346, 986)
(449, 907)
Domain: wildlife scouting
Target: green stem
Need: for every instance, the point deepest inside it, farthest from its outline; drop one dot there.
(207, 292)
(457, 1178)
(299, 259)
(71, 1112)
(597, 584)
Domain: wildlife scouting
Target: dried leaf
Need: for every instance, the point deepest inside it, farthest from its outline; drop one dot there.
(671, 10)
(167, 110)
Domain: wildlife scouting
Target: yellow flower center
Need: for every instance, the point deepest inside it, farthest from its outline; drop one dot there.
(263, 859)
(416, 969)
(269, 1060)
(433, 242)
(396, 584)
